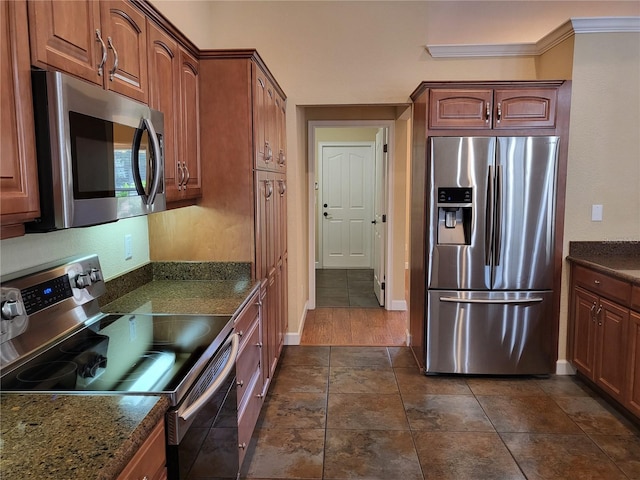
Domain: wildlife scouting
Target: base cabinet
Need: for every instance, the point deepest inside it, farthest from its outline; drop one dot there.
(604, 335)
(149, 462)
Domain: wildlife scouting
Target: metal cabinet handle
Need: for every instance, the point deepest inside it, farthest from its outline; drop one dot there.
(104, 51)
(499, 112)
(181, 176)
(187, 174)
(240, 383)
(115, 59)
(268, 154)
(283, 187)
(268, 187)
(281, 157)
(488, 113)
(597, 282)
(598, 315)
(592, 312)
(242, 446)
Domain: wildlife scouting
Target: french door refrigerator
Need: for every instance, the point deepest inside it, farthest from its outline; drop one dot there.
(490, 251)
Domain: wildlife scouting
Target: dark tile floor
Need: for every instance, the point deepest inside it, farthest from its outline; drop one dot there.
(345, 288)
(367, 413)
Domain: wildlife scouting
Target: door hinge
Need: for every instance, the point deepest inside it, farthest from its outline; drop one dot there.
(382, 285)
(385, 148)
(384, 219)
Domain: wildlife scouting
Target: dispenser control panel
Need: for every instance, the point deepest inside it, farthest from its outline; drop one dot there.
(454, 195)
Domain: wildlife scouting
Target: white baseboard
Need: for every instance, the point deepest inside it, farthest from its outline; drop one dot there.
(294, 338)
(399, 305)
(563, 367)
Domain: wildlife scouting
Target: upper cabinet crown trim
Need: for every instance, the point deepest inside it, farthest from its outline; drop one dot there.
(560, 34)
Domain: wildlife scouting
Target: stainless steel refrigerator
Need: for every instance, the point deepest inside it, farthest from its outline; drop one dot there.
(490, 255)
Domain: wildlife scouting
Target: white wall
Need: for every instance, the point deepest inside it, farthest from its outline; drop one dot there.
(105, 240)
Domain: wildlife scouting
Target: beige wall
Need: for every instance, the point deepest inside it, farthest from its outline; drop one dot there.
(357, 53)
(604, 145)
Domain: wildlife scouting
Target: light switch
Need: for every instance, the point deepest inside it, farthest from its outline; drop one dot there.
(596, 213)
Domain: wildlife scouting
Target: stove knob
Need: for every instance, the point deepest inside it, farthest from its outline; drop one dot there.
(95, 275)
(83, 280)
(11, 309)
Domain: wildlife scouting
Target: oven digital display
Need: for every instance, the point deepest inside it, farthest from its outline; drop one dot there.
(46, 293)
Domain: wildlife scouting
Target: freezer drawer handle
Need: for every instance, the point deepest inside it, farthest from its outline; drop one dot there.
(489, 301)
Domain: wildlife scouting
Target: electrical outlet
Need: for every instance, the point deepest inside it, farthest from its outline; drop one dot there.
(128, 247)
(596, 213)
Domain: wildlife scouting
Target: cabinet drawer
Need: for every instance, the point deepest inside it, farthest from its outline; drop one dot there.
(243, 322)
(635, 298)
(248, 361)
(248, 415)
(604, 285)
(149, 461)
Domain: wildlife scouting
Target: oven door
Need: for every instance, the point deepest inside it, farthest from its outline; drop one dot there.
(202, 431)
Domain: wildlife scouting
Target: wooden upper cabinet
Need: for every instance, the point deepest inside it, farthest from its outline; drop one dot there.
(189, 133)
(261, 143)
(520, 108)
(19, 201)
(63, 36)
(124, 32)
(102, 42)
(164, 85)
(460, 108)
(535, 107)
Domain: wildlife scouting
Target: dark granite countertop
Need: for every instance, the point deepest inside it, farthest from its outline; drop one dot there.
(73, 436)
(86, 437)
(199, 297)
(619, 259)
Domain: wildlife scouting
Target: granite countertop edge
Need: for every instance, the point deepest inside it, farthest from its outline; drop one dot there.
(617, 259)
(125, 453)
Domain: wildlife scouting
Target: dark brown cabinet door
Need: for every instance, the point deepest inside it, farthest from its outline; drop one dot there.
(189, 138)
(163, 89)
(124, 32)
(611, 341)
(67, 36)
(585, 306)
(19, 201)
(633, 364)
(525, 108)
(260, 118)
(460, 108)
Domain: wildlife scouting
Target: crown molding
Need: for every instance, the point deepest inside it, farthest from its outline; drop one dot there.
(557, 36)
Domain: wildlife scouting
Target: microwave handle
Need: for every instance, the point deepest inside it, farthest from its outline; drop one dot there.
(157, 161)
(145, 123)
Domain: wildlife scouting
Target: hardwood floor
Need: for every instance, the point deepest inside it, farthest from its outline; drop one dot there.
(355, 326)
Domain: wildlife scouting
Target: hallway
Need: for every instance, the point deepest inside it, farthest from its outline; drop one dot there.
(367, 413)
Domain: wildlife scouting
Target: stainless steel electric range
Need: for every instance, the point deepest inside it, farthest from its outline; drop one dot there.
(55, 339)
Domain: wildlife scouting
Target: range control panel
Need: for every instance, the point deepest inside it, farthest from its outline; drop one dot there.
(27, 299)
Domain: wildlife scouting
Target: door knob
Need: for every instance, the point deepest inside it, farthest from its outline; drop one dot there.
(325, 214)
(325, 205)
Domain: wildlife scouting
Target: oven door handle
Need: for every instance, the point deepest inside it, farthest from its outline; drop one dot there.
(193, 409)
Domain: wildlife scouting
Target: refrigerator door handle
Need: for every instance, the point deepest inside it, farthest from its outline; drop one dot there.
(490, 301)
(489, 223)
(498, 221)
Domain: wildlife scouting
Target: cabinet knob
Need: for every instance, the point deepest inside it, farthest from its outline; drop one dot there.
(597, 282)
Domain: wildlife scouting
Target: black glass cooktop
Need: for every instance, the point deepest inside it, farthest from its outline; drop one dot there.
(125, 353)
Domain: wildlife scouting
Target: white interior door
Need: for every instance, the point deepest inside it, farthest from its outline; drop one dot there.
(347, 205)
(379, 217)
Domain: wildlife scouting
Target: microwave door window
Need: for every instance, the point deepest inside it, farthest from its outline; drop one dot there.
(92, 153)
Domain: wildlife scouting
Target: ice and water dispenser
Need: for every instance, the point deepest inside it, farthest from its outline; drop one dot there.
(454, 215)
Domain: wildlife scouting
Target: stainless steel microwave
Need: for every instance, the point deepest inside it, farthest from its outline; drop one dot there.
(100, 154)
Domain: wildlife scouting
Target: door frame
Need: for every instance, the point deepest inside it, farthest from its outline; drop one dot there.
(312, 189)
(318, 219)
